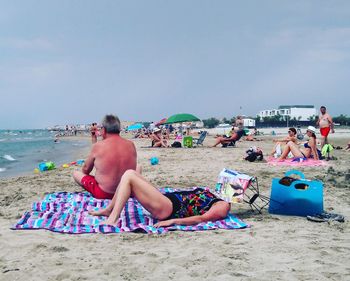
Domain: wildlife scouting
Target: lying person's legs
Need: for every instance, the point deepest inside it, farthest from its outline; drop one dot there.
(133, 184)
(291, 147)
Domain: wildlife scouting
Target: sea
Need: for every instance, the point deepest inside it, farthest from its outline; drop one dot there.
(21, 151)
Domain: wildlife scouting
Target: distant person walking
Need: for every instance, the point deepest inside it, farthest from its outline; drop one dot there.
(326, 125)
(93, 131)
(110, 157)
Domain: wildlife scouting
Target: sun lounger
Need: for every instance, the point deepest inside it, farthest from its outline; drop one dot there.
(200, 140)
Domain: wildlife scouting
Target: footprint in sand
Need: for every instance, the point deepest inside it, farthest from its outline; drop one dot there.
(59, 249)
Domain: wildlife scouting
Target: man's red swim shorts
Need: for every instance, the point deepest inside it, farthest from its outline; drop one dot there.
(325, 131)
(91, 185)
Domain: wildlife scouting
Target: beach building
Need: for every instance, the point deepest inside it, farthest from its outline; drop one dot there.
(248, 122)
(299, 112)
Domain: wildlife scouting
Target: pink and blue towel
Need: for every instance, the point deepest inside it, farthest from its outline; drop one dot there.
(296, 162)
(67, 212)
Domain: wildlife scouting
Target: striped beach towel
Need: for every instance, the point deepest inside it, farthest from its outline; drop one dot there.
(67, 212)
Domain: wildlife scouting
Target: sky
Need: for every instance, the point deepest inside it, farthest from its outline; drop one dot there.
(65, 62)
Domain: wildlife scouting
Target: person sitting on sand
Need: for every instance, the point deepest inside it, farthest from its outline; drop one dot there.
(236, 133)
(157, 139)
(278, 148)
(252, 136)
(224, 140)
(111, 157)
(309, 151)
(181, 207)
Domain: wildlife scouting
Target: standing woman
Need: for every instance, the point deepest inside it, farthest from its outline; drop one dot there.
(93, 130)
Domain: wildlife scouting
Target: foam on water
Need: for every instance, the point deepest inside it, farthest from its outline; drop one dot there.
(9, 157)
(2, 170)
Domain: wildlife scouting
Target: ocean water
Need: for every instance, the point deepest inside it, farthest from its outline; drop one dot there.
(22, 150)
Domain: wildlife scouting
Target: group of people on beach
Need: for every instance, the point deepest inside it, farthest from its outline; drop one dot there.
(290, 144)
(118, 177)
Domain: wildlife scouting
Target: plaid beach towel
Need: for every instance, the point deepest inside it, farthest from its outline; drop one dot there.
(67, 212)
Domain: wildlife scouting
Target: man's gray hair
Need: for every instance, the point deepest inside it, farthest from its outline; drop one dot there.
(111, 123)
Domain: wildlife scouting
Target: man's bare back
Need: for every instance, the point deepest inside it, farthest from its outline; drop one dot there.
(112, 157)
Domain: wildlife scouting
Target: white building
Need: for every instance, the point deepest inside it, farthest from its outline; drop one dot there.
(299, 112)
(248, 122)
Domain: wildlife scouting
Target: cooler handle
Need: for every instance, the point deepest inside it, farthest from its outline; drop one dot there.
(295, 172)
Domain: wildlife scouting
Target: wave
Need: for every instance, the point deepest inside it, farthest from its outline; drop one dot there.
(2, 170)
(9, 157)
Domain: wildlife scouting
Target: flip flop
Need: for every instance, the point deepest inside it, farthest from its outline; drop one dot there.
(326, 217)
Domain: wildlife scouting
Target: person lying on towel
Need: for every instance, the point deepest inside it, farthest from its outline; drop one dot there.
(180, 207)
(308, 151)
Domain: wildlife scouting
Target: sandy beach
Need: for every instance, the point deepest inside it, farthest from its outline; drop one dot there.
(273, 248)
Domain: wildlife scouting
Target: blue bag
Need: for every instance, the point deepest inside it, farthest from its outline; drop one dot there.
(296, 197)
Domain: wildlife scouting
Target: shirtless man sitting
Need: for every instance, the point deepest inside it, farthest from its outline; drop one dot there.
(110, 157)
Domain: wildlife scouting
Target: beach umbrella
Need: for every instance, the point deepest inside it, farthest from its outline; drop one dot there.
(136, 126)
(181, 117)
(161, 122)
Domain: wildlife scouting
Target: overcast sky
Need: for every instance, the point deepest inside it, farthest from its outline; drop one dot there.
(74, 61)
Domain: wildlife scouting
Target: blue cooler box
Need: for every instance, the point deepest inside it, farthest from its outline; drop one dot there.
(301, 198)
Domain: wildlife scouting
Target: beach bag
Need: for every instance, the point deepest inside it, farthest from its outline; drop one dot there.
(176, 144)
(296, 196)
(188, 141)
(253, 154)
